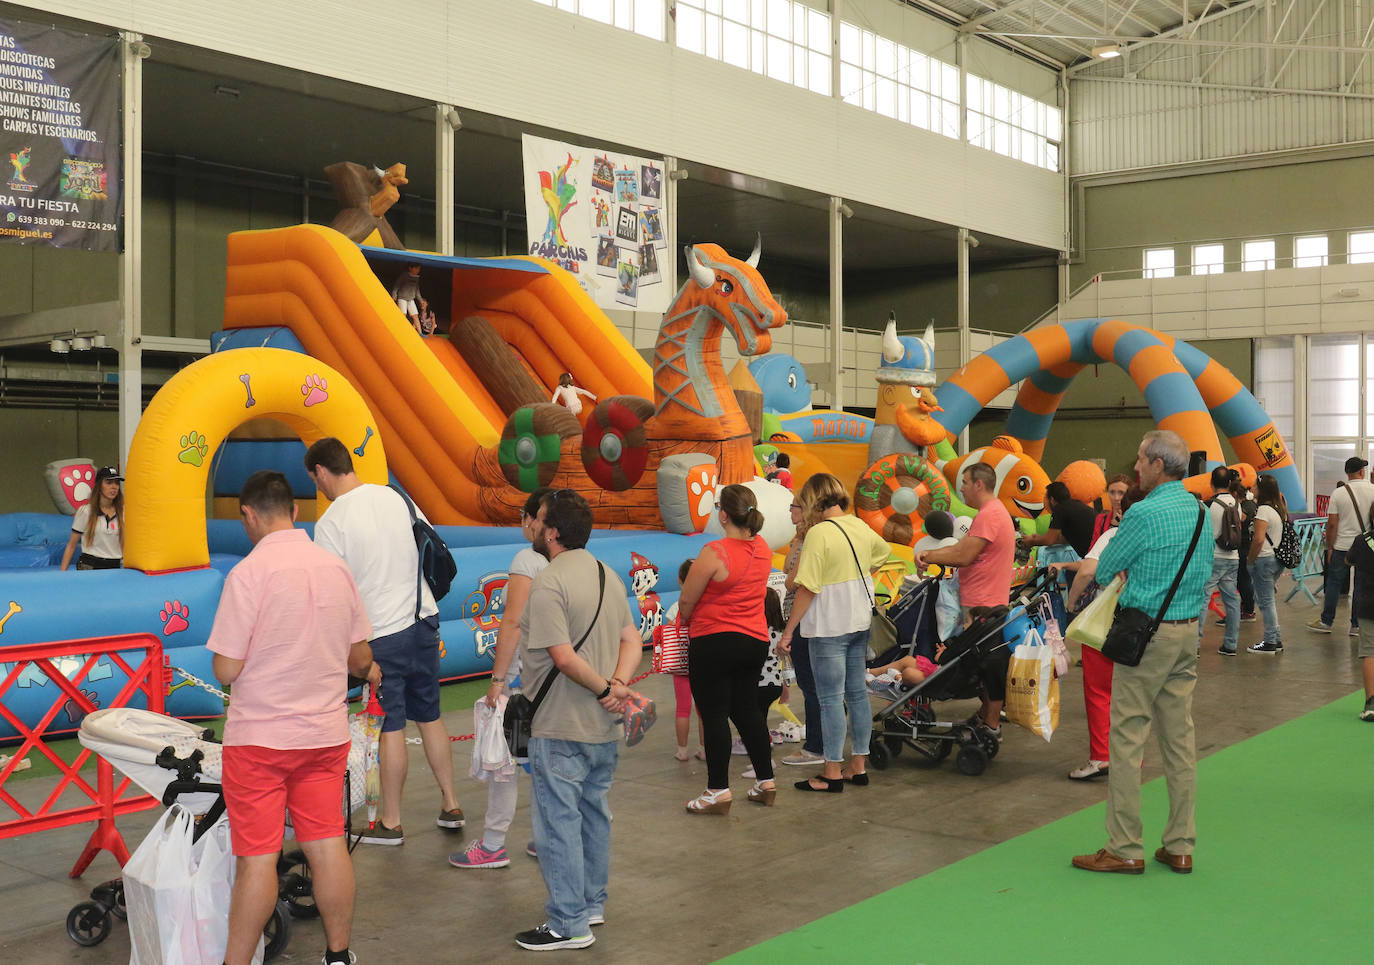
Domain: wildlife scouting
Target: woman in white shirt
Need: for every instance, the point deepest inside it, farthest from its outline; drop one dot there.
(98, 526)
(567, 394)
(1264, 566)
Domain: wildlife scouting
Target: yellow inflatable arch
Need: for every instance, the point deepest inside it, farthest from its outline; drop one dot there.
(169, 461)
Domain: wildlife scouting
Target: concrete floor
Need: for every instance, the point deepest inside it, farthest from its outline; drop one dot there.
(687, 889)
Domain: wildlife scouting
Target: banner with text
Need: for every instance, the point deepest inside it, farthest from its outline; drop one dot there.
(59, 137)
(600, 215)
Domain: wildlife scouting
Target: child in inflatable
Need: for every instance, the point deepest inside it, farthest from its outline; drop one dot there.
(567, 394)
(98, 526)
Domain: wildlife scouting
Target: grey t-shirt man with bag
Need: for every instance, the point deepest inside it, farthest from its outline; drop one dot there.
(574, 739)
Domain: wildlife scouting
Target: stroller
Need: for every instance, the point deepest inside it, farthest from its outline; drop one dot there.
(179, 763)
(978, 652)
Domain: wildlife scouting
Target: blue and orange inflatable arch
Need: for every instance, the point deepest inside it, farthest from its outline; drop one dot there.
(1186, 390)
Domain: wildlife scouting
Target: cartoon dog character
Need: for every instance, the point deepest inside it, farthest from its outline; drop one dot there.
(643, 579)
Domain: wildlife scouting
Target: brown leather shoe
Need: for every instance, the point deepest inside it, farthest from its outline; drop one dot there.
(1179, 863)
(1104, 860)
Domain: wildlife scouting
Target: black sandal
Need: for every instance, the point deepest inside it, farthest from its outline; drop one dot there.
(833, 785)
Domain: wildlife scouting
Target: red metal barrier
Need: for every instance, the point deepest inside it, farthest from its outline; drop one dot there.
(1323, 500)
(144, 677)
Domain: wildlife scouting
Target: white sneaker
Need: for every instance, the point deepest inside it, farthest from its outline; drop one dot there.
(737, 748)
(1088, 771)
(1354, 631)
(352, 958)
(804, 757)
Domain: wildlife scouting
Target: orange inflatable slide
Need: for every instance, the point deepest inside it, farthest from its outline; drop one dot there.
(435, 413)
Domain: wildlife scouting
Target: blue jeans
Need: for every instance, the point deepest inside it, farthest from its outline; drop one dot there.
(1336, 574)
(572, 824)
(1223, 578)
(1265, 573)
(806, 683)
(838, 665)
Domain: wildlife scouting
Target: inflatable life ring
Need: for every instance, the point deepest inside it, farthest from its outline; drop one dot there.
(896, 493)
(531, 444)
(615, 448)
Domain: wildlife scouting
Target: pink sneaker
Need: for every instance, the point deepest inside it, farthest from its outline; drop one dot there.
(477, 856)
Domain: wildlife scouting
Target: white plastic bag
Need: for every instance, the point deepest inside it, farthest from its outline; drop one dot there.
(178, 894)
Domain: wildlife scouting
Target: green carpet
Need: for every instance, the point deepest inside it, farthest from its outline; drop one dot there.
(1285, 834)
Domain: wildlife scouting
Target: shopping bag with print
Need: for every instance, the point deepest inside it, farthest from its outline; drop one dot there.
(1032, 688)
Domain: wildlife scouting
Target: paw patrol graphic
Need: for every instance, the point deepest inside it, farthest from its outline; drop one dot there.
(643, 579)
(482, 611)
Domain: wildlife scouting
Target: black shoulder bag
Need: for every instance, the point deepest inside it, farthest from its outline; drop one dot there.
(1361, 552)
(520, 710)
(1133, 628)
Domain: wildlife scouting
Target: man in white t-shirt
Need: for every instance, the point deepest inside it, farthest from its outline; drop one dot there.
(369, 528)
(1344, 521)
(1225, 566)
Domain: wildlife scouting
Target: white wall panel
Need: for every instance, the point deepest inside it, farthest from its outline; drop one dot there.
(520, 60)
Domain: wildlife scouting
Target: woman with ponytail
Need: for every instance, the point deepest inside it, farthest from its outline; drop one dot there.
(98, 526)
(722, 606)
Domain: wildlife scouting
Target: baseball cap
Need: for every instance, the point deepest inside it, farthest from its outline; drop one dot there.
(110, 472)
(1354, 464)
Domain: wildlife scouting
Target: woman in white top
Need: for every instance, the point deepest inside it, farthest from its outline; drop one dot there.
(98, 526)
(489, 851)
(1264, 566)
(567, 394)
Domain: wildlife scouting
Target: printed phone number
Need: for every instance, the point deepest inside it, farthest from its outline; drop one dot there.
(64, 223)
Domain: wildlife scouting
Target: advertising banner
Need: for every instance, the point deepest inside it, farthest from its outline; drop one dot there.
(600, 215)
(59, 138)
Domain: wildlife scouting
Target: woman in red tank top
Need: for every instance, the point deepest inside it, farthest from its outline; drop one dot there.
(722, 606)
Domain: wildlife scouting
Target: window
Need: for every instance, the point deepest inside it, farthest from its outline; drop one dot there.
(1333, 365)
(1257, 256)
(1309, 252)
(1159, 263)
(1274, 382)
(644, 17)
(1360, 248)
(1012, 124)
(781, 39)
(1209, 259)
(883, 76)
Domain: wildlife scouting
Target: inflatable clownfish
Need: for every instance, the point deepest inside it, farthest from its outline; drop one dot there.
(1021, 482)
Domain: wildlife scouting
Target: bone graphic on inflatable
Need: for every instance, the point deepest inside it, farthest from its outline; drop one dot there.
(14, 608)
(363, 446)
(245, 378)
(486, 644)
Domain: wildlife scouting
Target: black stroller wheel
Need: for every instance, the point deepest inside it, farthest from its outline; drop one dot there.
(295, 887)
(277, 932)
(990, 743)
(877, 755)
(972, 760)
(894, 745)
(88, 924)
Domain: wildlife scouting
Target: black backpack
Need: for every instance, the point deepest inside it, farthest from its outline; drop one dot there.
(436, 562)
(1232, 526)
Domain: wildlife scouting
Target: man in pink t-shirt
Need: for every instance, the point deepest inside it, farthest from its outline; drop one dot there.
(984, 558)
(289, 630)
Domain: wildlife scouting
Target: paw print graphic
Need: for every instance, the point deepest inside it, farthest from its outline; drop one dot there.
(75, 712)
(193, 449)
(315, 390)
(175, 617)
(443, 650)
(701, 495)
(76, 483)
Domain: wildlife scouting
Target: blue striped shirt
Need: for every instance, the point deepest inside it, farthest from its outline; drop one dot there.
(1149, 545)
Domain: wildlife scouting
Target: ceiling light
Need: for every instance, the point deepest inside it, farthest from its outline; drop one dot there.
(224, 90)
(98, 341)
(1107, 51)
(60, 346)
(81, 344)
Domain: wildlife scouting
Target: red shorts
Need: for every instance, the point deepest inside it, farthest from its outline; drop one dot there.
(261, 784)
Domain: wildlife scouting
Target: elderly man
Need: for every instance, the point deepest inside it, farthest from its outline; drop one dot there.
(286, 736)
(1152, 547)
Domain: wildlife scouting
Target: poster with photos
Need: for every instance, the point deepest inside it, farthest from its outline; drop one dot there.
(599, 215)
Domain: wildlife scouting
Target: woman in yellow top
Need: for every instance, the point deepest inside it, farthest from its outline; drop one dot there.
(833, 609)
(98, 527)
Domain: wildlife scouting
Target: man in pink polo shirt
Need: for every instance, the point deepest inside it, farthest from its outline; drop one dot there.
(984, 557)
(289, 630)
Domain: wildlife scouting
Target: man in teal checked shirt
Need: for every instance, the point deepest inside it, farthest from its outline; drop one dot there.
(1150, 548)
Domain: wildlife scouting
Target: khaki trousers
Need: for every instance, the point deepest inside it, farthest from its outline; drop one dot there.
(1160, 690)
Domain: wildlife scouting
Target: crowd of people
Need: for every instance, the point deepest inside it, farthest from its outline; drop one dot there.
(297, 618)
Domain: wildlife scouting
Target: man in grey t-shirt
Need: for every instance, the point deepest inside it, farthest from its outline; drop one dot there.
(574, 740)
